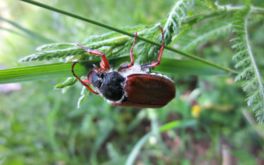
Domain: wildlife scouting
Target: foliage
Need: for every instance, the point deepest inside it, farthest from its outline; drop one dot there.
(249, 75)
(207, 122)
(174, 20)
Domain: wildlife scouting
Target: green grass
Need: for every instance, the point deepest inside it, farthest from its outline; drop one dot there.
(41, 124)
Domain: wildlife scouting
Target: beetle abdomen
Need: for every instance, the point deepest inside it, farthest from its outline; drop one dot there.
(147, 90)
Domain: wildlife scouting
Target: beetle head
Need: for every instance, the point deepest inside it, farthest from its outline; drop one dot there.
(109, 84)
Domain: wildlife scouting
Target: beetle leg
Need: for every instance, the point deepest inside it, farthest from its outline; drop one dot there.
(84, 82)
(157, 62)
(131, 55)
(104, 64)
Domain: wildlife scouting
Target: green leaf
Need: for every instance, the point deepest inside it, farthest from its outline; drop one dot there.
(59, 70)
(47, 71)
(68, 82)
(177, 124)
(135, 151)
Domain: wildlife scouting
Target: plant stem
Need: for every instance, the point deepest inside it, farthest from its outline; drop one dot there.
(129, 34)
(26, 31)
(257, 10)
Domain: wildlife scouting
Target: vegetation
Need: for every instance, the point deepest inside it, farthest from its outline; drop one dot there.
(213, 53)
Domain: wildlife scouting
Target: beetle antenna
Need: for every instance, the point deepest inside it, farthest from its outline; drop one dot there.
(79, 79)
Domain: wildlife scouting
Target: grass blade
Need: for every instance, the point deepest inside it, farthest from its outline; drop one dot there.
(58, 70)
(177, 124)
(25, 30)
(47, 71)
(133, 155)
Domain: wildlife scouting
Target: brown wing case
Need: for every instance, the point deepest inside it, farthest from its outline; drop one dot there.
(147, 90)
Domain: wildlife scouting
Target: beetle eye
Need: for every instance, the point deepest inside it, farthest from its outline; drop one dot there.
(95, 79)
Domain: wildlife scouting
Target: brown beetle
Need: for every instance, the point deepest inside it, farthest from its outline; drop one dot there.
(132, 84)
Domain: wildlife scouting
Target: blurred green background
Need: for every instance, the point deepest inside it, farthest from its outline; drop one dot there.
(208, 121)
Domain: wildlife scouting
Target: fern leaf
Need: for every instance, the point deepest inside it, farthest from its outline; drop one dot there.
(51, 54)
(176, 16)
(208, 35)
(62, 50)
(249, 75)
(104, 42)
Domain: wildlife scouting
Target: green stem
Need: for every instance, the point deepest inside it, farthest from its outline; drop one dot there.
(26, 31)
(231, 8)
(129, 34)
(257, 10)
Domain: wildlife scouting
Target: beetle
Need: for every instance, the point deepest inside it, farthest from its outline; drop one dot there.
(132, 84)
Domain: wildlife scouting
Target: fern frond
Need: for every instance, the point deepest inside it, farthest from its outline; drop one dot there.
(104, 42)
(171, 28)
(195, 34)
(62, 50)
(212, 33)
(176, 16)
(249, 76)
(51, 54)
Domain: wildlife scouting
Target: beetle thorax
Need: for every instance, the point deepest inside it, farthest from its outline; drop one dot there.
(108, 84)
(135, 69)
